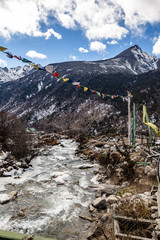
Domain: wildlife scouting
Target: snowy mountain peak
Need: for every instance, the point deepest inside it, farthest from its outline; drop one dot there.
(138, 60)
(9, 74)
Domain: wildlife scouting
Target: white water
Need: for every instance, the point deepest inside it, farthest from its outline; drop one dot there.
(51, 196)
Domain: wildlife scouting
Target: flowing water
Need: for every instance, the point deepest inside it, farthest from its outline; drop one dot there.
(51, 195)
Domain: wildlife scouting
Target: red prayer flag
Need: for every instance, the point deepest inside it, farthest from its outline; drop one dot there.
(56, 74)
(19, 58)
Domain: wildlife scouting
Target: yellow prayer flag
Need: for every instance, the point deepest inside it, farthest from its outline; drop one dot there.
(153, 126)
(35, 66)
(85, 89)
(2, 49)
(65, 79)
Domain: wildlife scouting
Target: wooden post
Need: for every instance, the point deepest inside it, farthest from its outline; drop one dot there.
(129, 118)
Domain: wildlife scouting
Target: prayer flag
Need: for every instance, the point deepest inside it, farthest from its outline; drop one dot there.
(98, 93)
(26, 60)
(85, 89)
(65, 79)
(2, 49)
(56, 74)
(75, 83)
(19, 58)
(148, 123)
(35, 66)
(49, 68)
(9, 55)
(43, 69)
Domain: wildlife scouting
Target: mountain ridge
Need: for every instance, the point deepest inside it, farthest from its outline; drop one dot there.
(47, 102)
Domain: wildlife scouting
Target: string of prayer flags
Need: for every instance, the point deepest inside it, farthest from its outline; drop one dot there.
(153, 126)
(50, 70)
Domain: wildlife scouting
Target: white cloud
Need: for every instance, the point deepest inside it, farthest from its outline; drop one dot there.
(3, 63)
(83, 50)
(156, 47)
(24, 17)
(47, 34)
(99, 19)
(112, 42)
(97, 46)
(140, 12)
(74, 58)
(34, 54)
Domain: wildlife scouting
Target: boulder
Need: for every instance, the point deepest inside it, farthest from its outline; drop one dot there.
(100, 203)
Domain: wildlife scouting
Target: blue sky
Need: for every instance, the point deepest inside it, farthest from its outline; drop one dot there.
(46, 31)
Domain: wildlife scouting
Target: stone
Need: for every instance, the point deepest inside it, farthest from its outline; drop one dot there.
(4, 198)
(112, 199)
(100, 203)
(127, 194)
(105, 218)
(91, 208)
(125, 184)
(152, 173)
(147, 169)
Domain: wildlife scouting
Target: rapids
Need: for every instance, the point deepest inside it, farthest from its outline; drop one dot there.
(51, 195)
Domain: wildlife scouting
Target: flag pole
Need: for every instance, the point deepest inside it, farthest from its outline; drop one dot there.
(129, 118)
(134, 126)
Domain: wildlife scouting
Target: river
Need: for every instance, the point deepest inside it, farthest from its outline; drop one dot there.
(51, 195)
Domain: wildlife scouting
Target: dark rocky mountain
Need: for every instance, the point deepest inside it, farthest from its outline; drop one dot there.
(131, 61)
(47, 102)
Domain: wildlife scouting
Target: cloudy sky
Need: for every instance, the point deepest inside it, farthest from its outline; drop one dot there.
(50, 31)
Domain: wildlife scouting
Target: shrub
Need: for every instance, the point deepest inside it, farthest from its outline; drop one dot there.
(13, 136)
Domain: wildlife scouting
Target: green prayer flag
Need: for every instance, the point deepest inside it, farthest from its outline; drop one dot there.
(26, 60)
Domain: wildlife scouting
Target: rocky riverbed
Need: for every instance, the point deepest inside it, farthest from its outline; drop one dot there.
(48, 198)
(74, 191)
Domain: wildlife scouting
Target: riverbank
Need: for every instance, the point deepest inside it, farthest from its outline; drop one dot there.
(127, 188)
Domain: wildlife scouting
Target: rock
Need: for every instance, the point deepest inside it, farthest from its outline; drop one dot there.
(125, 184)
(115, 156)
(105, 218)
(100, 203)
(91, 208)
(112, 199)
(126, 195)
(147, 169)
(152, 173)
(154, 209)
(4, 198)
(85, 166)
(154, 215)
